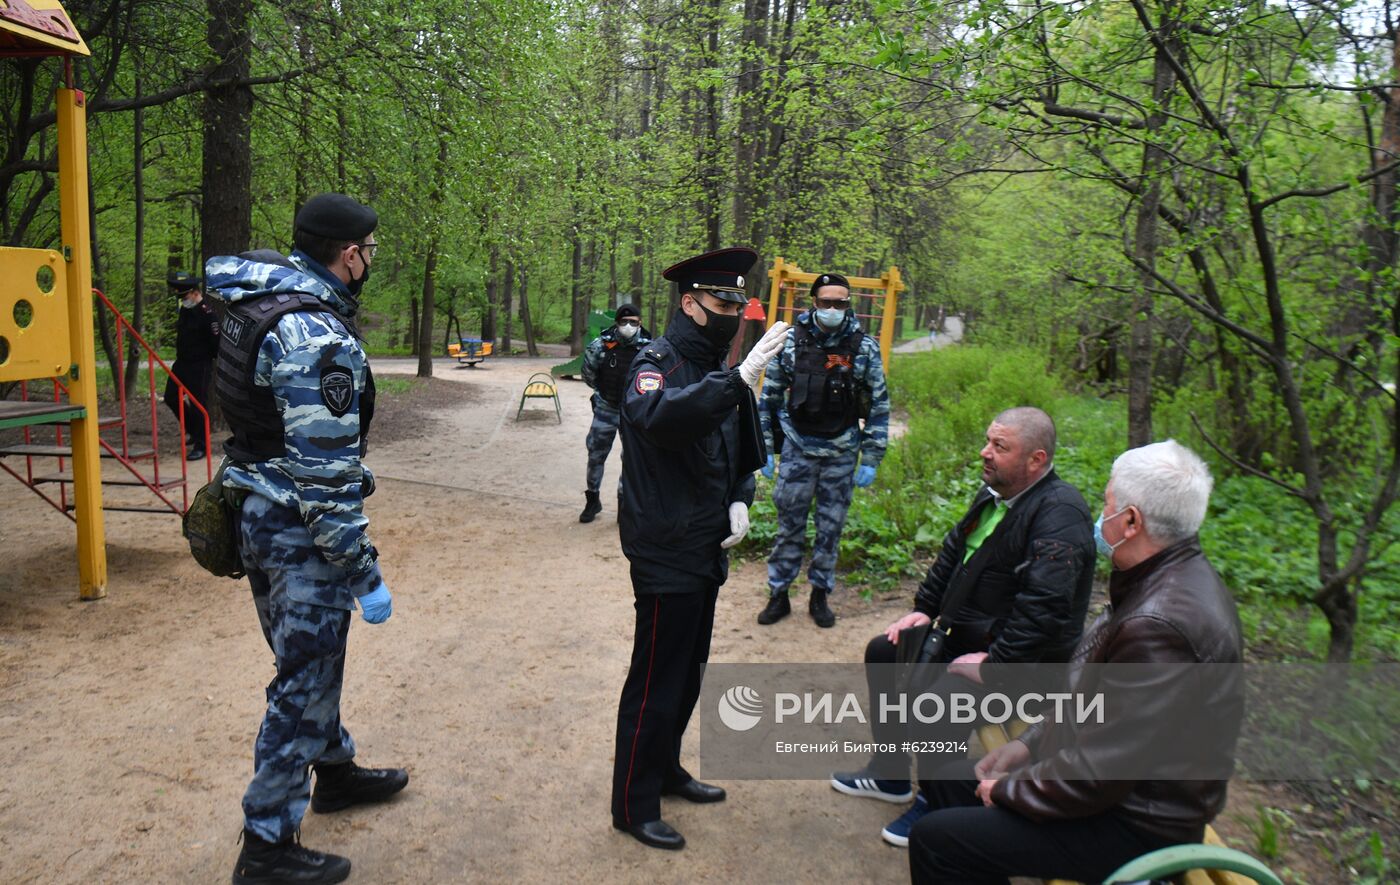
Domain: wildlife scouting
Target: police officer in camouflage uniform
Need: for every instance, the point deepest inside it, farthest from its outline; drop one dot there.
(606, 364)
(298, 394)
(824, 408)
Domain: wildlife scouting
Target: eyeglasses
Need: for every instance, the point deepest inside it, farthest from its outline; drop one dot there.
(842, 303)
(368, 249)
(633, 323)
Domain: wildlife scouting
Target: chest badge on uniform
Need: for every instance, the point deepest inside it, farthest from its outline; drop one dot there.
(835, 360)
(337, 389)
(649, 381)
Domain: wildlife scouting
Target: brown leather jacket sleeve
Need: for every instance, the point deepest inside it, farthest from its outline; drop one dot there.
(1072, 781)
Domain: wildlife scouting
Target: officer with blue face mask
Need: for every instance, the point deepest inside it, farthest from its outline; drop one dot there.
(825, 409)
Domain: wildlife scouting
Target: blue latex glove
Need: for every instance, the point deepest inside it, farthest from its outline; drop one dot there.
(865, 476)
(377, 605)
(767, 469)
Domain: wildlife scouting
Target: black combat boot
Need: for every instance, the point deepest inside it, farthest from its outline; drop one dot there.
(592, 508)
(778, 608)
(821, 612)
(286, 861)
(346, 784)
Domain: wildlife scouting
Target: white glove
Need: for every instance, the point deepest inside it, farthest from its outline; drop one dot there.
(738, 523)
(769, 346)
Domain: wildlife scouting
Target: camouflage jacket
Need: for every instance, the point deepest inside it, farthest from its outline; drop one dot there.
(593, 358)
(321, 474)
(871, 436)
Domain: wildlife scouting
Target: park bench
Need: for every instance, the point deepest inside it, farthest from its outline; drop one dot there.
(469, 351)
(541, 386)
(1210, 863)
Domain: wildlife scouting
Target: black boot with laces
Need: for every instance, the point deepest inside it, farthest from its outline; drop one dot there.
(288, 862)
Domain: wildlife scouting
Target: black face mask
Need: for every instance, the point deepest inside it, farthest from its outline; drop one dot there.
(356, 285)
(719, 328)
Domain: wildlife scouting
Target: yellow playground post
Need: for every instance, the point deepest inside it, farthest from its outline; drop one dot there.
(874, 298)
(46, 321)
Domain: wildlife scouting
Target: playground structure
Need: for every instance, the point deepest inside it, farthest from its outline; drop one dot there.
(875, 299)
(47, 331)
(469, 351)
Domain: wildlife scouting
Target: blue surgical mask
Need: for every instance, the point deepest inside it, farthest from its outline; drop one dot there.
(1106, 549)
(831, 317)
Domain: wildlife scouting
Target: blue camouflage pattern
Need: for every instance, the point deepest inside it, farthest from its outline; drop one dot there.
(603, 429)
(601, 433)
(593, 353)
(321, 476)
(804, 480)
(302, 724)
(871, 437)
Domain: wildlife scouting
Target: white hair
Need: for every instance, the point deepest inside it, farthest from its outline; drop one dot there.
(1169, 483)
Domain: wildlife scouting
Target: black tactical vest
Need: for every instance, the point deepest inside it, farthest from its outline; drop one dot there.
(251, 410)
(613, 369)
(825, 397)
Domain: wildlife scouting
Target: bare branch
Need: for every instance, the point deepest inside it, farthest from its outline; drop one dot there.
(1242, 466)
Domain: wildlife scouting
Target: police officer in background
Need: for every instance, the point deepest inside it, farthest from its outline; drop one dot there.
(297, 391)
(606, 365)
(196, 345)
(824, 406)
(691, 440)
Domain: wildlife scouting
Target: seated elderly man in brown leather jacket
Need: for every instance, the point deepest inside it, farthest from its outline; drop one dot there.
(1078, 800)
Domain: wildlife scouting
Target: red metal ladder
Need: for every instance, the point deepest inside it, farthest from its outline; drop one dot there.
(141, 463)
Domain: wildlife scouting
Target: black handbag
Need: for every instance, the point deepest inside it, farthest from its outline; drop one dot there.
(920, 650)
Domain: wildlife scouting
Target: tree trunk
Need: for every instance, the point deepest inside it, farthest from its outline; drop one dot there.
(226, 213)
(1145, 247)
(750, 106)
(138, 293)
(488, 316)
(579, 315)
(526, 326)
(411, 336)
(425, 331)
(505, 314)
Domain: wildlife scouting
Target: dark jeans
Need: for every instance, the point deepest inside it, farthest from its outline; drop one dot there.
(879, 680)
(961, 841)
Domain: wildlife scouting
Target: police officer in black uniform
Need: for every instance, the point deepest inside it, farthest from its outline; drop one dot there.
(196, 346)
(691, 441)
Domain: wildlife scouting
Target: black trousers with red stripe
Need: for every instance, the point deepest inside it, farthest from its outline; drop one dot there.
(669, 651)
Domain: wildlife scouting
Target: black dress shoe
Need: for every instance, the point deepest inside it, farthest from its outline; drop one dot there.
(694, 791)
(656, 833)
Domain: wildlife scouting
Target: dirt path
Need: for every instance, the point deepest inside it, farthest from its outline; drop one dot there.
(126, 725)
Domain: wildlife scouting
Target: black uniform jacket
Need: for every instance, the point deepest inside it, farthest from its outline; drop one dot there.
(681, 461)
(1032, 590)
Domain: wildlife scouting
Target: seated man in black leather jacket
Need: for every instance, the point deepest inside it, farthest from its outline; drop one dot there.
(1021, 562)
(1076, 800)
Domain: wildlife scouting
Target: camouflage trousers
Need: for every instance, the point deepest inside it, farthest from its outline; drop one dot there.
(601, 434)
(802, 481)
(302, 724)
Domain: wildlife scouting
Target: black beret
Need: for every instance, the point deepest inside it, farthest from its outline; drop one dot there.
(829, 279)
(336, 217)
(181, 282)
(720, 272)
(627, 310)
